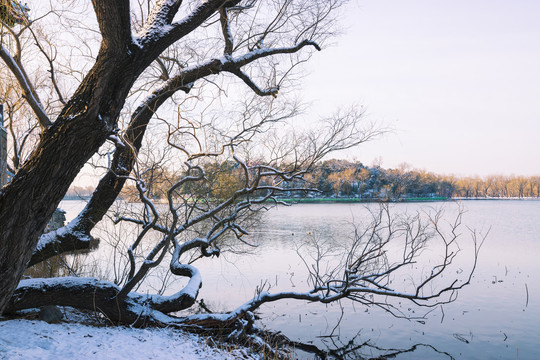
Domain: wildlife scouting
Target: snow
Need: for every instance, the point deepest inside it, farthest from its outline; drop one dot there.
(34, 339)
(67, 281)
(52, 237)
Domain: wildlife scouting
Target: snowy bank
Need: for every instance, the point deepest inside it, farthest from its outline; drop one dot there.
(34, 339)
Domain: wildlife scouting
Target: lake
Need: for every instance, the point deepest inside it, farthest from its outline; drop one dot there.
(496, 317)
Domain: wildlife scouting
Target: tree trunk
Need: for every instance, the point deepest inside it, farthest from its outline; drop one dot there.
(28, 202)
(96, 295)
(80, 293)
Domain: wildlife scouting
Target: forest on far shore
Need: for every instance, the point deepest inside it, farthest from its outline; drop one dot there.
(352, 179)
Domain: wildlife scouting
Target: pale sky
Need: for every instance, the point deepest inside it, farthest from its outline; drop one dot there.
(459, 81)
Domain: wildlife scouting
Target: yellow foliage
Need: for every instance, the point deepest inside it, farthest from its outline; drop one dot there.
(12, 12)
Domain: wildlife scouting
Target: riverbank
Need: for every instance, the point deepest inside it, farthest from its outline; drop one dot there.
(333, 200)
(34, 339)
(359, 200)
(400, 200)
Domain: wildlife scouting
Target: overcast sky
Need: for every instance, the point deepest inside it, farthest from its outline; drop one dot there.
(458, 80)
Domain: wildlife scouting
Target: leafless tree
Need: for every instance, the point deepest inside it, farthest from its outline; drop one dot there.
(167, 67)
(249, 34)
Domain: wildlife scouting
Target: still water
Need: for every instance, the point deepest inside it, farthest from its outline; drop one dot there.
(496, 317)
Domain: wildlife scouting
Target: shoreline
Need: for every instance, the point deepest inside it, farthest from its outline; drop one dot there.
(355, 200)
(379, 200)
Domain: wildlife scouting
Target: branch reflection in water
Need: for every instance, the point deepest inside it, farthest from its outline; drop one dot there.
(495, 312)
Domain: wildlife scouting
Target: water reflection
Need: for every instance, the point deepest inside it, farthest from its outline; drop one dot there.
(497, 314)
(357, 350)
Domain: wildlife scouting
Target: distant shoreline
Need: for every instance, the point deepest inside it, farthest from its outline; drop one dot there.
(356, 200)
(359, 200)
(375, 200)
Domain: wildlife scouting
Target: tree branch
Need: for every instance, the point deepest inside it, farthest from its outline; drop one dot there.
(247, 80)
(51, 67)
(162, 14)
(27, 88)
(226, 30)
(155, 38)
(114, 23)
(74, 236)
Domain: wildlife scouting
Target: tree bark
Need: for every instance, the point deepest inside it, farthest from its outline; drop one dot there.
(88, 119)
(84, 124)
(95, 295)
(29, 201)
(76, 235)
(80, 293)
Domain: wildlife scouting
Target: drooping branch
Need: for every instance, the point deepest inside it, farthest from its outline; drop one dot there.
(27, 87)
(94, 295)
(52, 71)
(368, 272)
(247, 80)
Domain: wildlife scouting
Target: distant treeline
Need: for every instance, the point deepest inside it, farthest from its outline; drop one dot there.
(79, 193)
(342, 178)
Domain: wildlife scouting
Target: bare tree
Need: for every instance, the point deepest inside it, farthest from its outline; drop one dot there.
(386, 258)
(250, 32)
(219, 164)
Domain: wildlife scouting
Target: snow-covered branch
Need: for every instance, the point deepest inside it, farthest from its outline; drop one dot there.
(161, 15)
(68, 239)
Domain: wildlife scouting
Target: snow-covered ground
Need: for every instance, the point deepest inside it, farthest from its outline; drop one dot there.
(34, 339)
